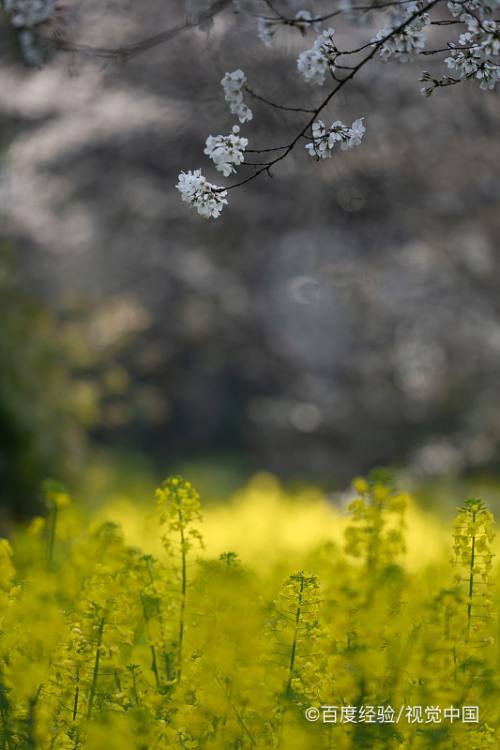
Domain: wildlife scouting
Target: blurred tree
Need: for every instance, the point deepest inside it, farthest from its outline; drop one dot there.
(36, 434)
(60, 376)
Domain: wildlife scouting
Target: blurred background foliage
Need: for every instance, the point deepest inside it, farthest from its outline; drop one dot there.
(340, 316)
(35, 431)
(62, 384)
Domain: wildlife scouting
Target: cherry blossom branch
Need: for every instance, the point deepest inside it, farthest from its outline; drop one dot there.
(375, 47)
(270, 103)
(289, 21)
(428, 52)
(474, 56)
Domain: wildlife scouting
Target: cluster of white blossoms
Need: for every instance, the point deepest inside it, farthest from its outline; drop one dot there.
(226, 150)
(233, 85)
(266, 29)
(478, 57)
(313, 64)
(324, 139)
(458, 9)
(403, 44)
(304, 20)
(208, 199)
(28, 13)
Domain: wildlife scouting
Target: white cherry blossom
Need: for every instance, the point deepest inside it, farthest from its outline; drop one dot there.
(226, 150)
(324, 139)
(304, 20)
(233, 84)
(313, 64)
(266, 29)
(410, 40)
(208, 199)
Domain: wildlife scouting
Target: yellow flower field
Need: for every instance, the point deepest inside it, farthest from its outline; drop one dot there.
(275, 621)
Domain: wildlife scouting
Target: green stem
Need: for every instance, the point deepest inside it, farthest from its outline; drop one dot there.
(77, 694)
(95, 673)
(234, 708)
(30, 740)
(471, 579)
(154, 660)
(162, 632)
(183, 593)
(134, 685)
(293, 652)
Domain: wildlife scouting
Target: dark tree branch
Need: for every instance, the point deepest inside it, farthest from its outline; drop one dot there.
(130, 50)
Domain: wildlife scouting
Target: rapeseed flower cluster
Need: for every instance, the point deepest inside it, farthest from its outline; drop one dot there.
(105, 646)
